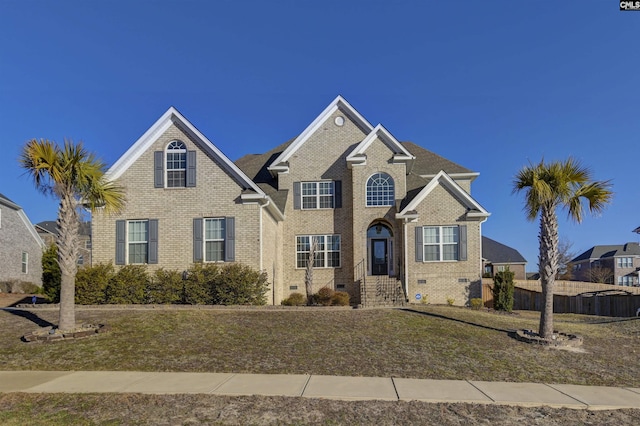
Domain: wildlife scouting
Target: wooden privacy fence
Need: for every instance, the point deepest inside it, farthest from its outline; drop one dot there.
(572, 297)
(608, 305)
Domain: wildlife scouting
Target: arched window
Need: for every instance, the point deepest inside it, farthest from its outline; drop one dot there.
(380, 190)
(176, 164)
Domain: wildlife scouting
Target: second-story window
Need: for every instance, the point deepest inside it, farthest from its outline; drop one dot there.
(380, 191)
(317, 195)
(176, 165)
(625, 262)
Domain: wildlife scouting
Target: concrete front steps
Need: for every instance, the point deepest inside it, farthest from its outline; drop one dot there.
(382, 291)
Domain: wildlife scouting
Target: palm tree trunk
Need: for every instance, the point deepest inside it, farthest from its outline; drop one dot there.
(548, 267)
(67, 255)
(308, 275)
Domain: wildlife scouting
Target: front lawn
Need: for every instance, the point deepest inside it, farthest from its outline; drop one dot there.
(436, 342)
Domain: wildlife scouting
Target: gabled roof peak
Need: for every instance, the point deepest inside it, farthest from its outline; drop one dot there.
(401, 154)
(170, 117)
(474, 209)
(280, 164)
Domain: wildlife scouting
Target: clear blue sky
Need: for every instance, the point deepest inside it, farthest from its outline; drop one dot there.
(491, 85)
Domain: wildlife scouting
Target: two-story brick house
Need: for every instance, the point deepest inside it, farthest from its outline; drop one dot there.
(386, 216)
(611, 264)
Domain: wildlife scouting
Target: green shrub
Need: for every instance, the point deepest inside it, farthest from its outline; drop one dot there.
(197, 287)
(503, 289)
(450, 301)
(340, 298)
(238, 284)
(476, 303)
(323, 296)
(51, 275)
(128, 285)
(165, 287)
(295, 299)
(92, 282)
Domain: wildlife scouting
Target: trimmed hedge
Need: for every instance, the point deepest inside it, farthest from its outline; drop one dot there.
(228, 284)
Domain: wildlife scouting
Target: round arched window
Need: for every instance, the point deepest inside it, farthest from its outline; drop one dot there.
(380, 190)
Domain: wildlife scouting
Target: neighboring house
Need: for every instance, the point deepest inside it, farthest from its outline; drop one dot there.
(20, 246)
(497, 257)
(612, 264)
(48, 231)
(388, 216)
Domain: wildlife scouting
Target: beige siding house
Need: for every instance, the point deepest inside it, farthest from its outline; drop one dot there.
(392, 222)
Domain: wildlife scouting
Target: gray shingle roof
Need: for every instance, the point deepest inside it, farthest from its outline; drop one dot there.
(255, 166)
(600, 252)
(426, 163)
(52, 227)
(496, 252)
(429, 163)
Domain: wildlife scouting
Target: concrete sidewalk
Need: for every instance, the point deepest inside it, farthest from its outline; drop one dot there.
(331, 387)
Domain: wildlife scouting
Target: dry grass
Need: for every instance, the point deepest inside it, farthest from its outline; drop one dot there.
(426, 342)
(132, 409)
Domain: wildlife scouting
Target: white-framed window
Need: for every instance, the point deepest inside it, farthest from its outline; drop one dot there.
(327, 254)
(87, 244)
(81, 260)
(626, 281)
(25, 262)
(440, 243)
(318, 195)
(176, 154)
(501, 268)
(138, 241)
(380, 190)
(625, 262)
(214, 232)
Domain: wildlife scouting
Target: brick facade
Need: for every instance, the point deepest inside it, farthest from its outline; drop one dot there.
(261, 195)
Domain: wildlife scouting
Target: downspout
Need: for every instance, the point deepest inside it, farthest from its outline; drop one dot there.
(260, 234)
(406, 261)
(481, 265)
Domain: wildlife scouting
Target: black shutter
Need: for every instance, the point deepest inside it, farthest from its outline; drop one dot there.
(419, 245)
(230, 239)
(462, 244)
(153, 241)
(337, 194)
(197, 240)
(297, 203)
(191, 168)
(158, 169)
(121, 242)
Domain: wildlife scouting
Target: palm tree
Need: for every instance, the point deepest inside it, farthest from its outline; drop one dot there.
(549, 186)
(76, 177)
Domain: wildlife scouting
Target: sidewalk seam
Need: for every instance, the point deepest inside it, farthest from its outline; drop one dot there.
(481, 391)
(222, 383)
(631, 390)
(587, 405)
(304, 388)
(395, 389)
